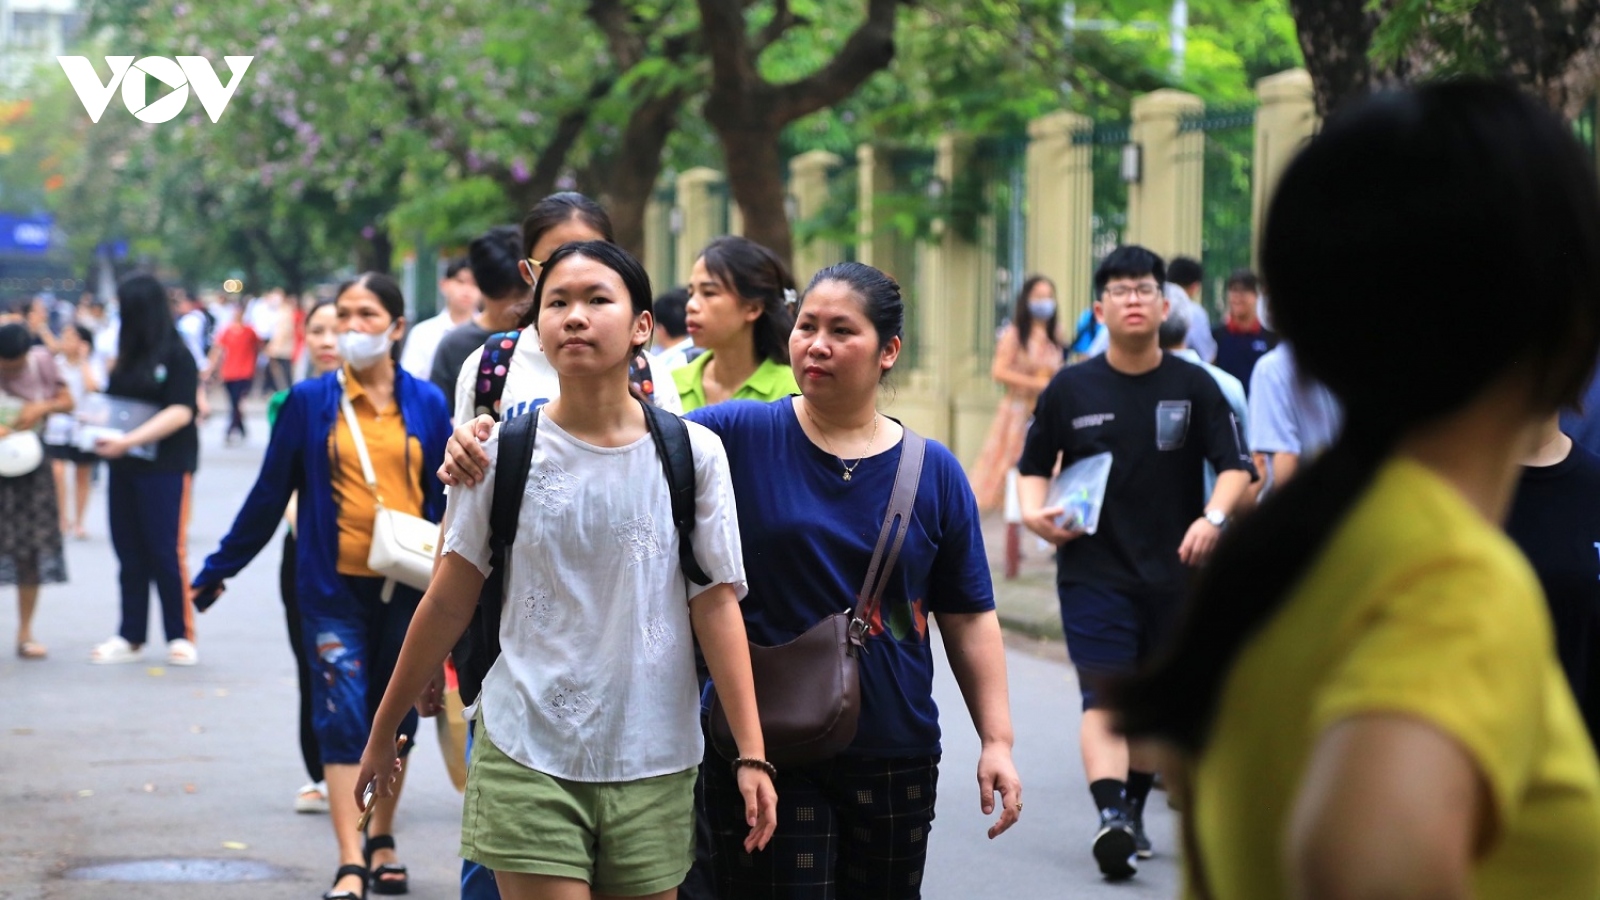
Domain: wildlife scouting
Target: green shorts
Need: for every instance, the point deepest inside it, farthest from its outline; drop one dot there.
(626, 838)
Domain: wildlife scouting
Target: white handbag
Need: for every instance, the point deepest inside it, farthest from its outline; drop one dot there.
(402, 544)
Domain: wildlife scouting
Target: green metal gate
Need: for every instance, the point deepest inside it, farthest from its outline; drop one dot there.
(1226, 202)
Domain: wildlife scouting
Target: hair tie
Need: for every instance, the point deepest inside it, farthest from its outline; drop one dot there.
(789, 297)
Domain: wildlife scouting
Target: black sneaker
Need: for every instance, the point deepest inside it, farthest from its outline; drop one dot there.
(1141, 841)
(1115, 845)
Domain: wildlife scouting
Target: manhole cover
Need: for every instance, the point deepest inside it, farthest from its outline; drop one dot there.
(183, 870)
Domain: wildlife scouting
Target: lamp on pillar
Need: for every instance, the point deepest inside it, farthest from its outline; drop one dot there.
(1132, 163)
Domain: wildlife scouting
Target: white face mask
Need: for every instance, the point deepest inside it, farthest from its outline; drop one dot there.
(362, 351)
(1042, 309)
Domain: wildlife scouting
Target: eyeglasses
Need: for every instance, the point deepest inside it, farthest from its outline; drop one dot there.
(530, 269)
(1146, 291)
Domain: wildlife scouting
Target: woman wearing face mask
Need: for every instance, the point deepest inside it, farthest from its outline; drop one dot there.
(353, 621)
(1027, 357)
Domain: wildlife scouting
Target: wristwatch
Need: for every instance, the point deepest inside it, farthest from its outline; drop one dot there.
(1217, 517)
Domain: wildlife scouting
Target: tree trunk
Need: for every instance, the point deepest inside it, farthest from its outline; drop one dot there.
(637, 165)
(376, 254)
(755, 177)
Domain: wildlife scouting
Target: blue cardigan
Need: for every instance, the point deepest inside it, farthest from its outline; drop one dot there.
(297, 460)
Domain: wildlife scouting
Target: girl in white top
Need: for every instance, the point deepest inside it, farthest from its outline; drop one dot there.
(595, 686)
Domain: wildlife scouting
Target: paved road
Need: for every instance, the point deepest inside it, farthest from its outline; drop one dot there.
(105, 765)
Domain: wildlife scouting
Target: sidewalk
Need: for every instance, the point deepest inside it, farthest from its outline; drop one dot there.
(1027, 604)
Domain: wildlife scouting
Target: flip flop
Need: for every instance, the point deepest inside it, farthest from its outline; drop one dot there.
(31, 650)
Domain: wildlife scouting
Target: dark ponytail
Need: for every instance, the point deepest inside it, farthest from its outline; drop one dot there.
(1433, 206)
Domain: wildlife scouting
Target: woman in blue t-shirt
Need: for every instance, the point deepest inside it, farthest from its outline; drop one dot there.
(808, 537)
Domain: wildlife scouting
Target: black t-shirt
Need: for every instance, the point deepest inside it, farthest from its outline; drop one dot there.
(171, 380)
(1237, 352)
(1556, 521)
(1160, 427)
(454, 348)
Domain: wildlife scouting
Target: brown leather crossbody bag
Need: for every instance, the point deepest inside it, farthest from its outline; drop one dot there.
(808, 691)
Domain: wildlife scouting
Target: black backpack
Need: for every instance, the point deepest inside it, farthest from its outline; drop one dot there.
(480, 646)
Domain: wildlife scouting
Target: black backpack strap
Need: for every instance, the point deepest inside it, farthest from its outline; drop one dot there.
(480, 647)
(671, 437)
(490, 382)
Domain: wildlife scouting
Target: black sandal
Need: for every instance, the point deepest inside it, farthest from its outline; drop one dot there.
(391, 885)
(344, 871)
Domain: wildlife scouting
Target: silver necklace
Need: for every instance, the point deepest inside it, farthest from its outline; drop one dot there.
(849, 468)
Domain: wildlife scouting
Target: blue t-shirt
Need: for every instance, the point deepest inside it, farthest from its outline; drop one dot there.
(808, 538)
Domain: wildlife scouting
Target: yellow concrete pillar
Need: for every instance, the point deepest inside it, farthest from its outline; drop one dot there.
(1164, 212)
(809, 175)
(701, 199)
(1285, 120)
(874, 176)
(658, 243)
(1060, 187)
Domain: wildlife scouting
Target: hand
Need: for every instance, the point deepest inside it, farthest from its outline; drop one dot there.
(464, 459)
(1043, 523)
(30, 415)
(997, 773)
(431, 701)
(381, 755)
(1199, 542)
(112, 447)
(4, 431)
(760, 807)
(205, 595)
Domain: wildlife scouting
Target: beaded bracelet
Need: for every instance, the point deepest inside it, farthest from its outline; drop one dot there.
(750, 762)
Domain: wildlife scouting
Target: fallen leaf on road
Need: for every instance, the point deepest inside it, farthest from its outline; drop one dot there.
(189, 789)
(86, 793)
(196, 729)
(234, 845)
(222, 692)
(149, 788)
(155, 671)
(22, 731)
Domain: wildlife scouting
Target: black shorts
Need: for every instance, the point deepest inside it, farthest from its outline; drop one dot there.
(70, 454)
(1110, 632)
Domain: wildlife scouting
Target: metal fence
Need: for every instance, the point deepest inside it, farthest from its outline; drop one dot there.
(1225, 225)
(1109, 219)
(997, 201)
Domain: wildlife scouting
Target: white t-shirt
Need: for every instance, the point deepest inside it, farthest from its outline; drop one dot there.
(421, 342)
(531, 382)
(596, 677)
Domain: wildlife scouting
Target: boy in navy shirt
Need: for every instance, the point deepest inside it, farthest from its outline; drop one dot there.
(1242, 339)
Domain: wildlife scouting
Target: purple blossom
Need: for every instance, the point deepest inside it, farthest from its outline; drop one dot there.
(528, 117)
(566, 182)
(519, 170)
(474, 161)
(369, 232)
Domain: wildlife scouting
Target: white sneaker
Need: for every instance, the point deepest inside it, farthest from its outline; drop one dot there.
(181, 653)
(115, 650)
(312, 798)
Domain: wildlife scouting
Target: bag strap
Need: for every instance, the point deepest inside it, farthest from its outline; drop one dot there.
(671, 438)
(355, 434)
(511, 477)
(901, 500)
(493, 367)
(514, 461)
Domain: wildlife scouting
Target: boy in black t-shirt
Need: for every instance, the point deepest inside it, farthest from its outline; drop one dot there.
(1161, 419)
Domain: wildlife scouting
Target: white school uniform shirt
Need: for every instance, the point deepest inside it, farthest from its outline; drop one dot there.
(531, 382)
(596, 676)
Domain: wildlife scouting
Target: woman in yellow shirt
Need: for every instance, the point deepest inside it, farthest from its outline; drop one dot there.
(740, 296)
(1365, 701)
